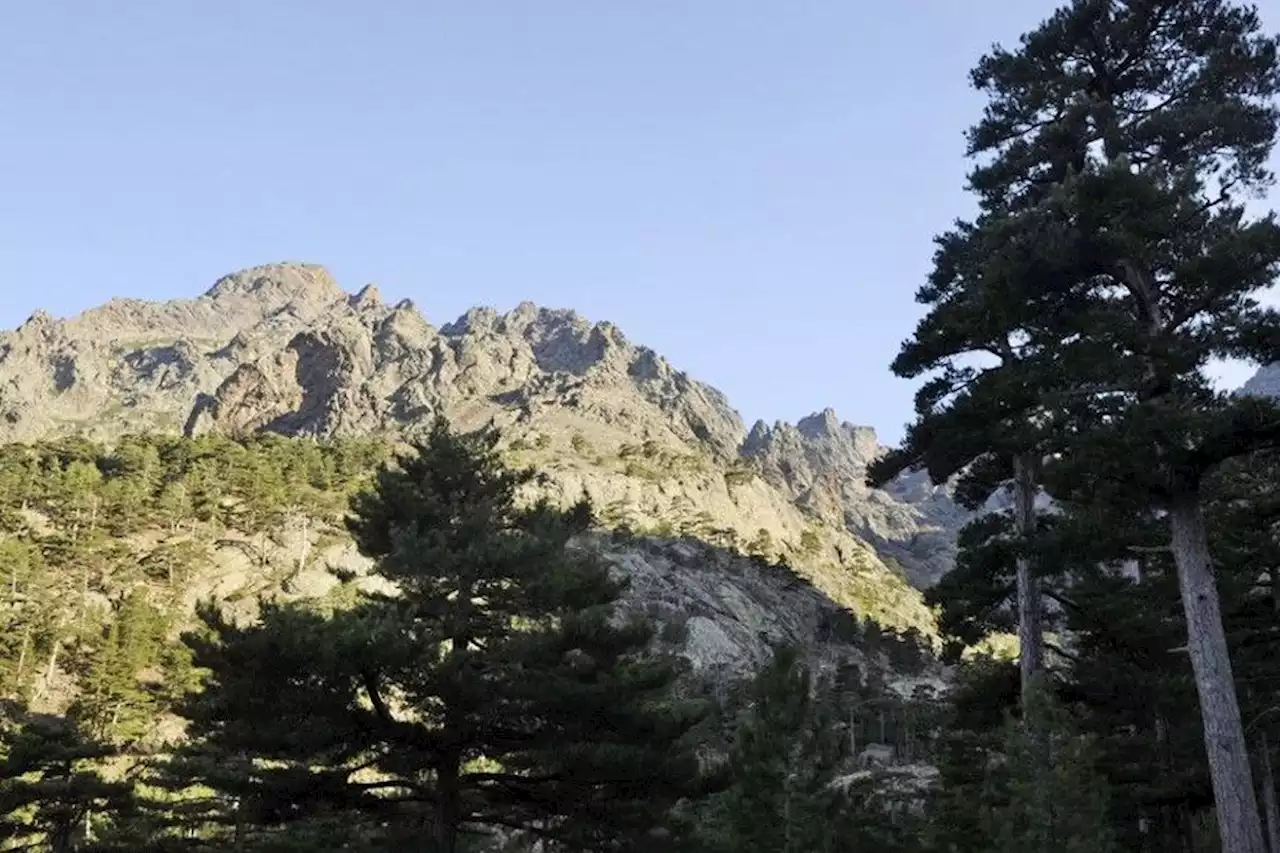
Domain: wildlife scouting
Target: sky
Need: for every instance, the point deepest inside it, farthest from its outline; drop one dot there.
(749, 188)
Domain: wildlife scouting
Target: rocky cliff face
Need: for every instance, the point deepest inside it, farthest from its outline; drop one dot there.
(822, 462)
(1264, 383)
(284, 348)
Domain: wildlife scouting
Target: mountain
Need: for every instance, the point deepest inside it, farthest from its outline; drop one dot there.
(1265, 382)
(283, 348)
(158, 454)
(733, 541)
(821, 463)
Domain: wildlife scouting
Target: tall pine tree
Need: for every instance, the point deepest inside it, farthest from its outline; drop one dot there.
(1117, 148)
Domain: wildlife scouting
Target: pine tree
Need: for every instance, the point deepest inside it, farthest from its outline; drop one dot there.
(1010, 784)
(788, 767)
(114, 704)
(1058, 806)
(50, 786)
(494, 689)
(22, 605)
(984, 693)
(1117, 147)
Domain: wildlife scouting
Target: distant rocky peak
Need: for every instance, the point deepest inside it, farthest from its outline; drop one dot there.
(279, 283)
(406, 321)
(756, 437)
(527, 319)
(826, 424)
(822, 433)
(477, 320)
(525, 313)
(822, 424)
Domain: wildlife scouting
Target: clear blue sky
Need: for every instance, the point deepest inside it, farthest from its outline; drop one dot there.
(750, 188)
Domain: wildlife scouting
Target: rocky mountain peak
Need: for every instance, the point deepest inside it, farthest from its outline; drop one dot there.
(476, 320)
(271, 282)
(40, 319)
(820, 424)
(39, 330)
(821, 461)
(860, 441)
(283, 347)
(760, 434)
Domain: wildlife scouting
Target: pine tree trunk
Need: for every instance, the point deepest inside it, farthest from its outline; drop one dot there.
(1269, 804)
(1233, 792)
(22, 658)
(448, 807)
(1173, 834)
(853, 733)
(50, 669)
(84, 595)
(304, 544)
(1030, 625)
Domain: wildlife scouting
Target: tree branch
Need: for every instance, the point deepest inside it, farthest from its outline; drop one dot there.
(375, 697)
(1061, 599)
(1056, 649)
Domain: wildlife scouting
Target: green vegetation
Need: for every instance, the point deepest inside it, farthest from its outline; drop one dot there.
(740, 473)
(51, 786)
(761, 545)
(787, 763)
(1069, 332)
(351, 721)
(492, 692)
(810, 542)
(369, 722)
(650, 461)
(98, 547)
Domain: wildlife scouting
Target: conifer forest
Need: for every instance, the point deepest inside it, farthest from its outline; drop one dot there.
(185, 665)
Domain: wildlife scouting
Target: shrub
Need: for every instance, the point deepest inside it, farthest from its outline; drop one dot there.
(740, 473)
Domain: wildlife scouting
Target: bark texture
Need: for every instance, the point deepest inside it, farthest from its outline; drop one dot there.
(1237, 805)
(1269, 794)
(1030, 624)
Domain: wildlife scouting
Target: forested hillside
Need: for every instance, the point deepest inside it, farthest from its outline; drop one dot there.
(123, 566)
(106, 552)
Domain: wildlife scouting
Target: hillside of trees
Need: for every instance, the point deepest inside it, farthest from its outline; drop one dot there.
(320, 725)
(135, 718)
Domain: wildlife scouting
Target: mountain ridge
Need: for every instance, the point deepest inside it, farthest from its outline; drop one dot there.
(284, 348)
